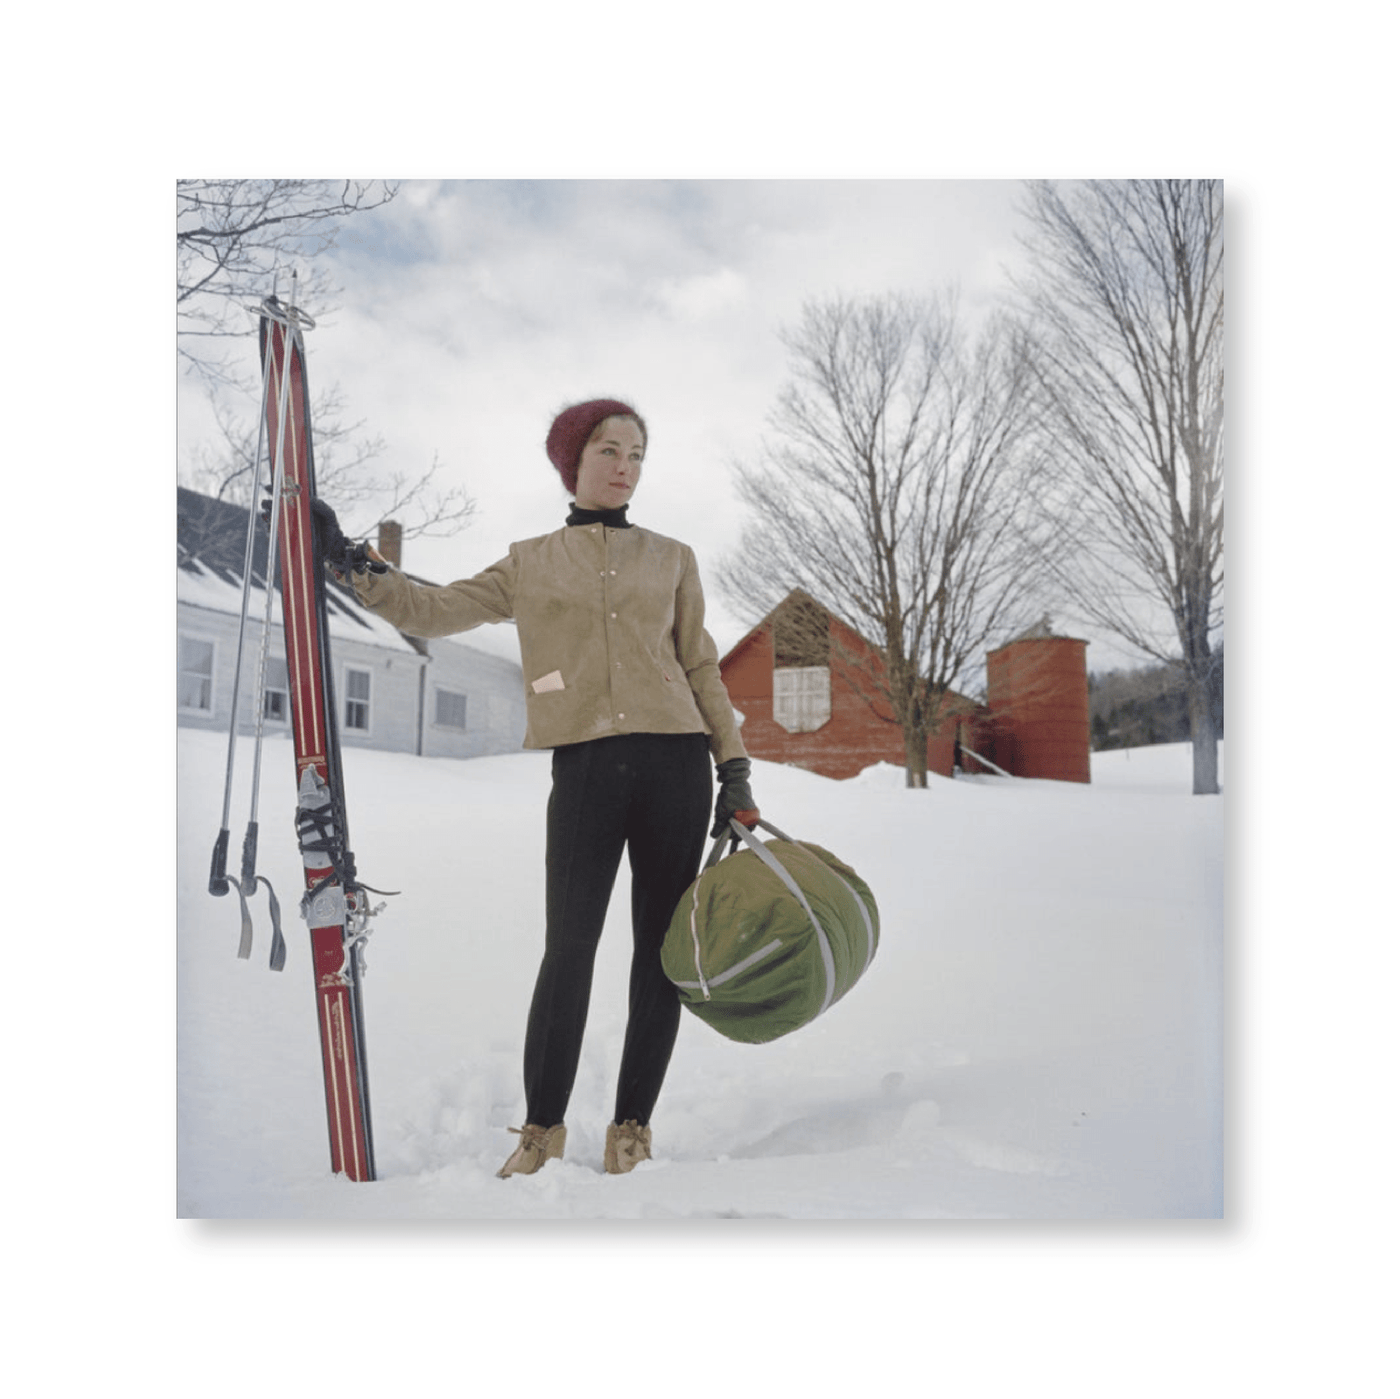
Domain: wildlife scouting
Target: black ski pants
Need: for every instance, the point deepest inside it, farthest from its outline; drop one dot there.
(651, 794)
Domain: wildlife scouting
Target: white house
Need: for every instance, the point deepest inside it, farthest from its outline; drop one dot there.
(455, 697)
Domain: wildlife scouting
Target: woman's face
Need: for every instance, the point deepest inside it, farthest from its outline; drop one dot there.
(610, 466)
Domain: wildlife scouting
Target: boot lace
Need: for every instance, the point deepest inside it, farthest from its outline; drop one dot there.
(631, 1141)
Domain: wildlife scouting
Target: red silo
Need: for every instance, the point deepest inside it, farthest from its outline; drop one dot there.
(1038, 692)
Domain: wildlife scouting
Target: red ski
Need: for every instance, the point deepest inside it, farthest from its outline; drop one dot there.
(335, 904)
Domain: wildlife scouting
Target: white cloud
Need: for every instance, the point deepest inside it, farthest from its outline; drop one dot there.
(703, 297)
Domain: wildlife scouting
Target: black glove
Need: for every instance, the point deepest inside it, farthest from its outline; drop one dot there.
(333, 548)
(331, 543)
(735, 796)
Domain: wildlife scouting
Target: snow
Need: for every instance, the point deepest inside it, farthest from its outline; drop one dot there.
(198, 586)
(1039, 1037)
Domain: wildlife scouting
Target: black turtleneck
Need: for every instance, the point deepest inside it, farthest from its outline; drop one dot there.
(613, 519)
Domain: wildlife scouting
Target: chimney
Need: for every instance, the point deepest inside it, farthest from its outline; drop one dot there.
(390, 544)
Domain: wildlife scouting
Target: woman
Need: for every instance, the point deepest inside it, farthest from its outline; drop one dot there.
(623, 683)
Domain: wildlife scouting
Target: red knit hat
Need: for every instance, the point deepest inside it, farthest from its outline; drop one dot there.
(570, 431)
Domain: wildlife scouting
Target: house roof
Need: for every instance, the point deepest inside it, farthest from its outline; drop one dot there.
(955, 695)
(1043, 630)
(754, 630)
(211, 542)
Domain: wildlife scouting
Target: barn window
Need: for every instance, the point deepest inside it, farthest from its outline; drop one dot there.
(451, 709)
(801, 665)
(195, 683)
(357, 699)
(802, 697)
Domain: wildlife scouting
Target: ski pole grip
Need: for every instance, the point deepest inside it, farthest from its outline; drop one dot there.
(218, 877)
(250, 859)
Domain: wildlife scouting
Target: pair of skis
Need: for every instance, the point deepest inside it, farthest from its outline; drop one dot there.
(334, 904)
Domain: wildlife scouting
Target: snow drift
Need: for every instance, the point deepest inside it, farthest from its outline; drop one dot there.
(1040, 1037)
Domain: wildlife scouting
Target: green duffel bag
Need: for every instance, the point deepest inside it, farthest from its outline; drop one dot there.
(767, 939)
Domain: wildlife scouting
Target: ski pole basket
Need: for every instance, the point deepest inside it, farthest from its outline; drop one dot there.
(770, 937)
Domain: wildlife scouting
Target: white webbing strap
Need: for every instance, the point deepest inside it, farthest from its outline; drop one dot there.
(695, 938)
(856, 898)
(740, 966)
(769, 859)
(865, 914)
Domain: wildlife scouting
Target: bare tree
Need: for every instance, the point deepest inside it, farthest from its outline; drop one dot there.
(232, 239)
(893, 493)
(346, 473)
(1128, 297)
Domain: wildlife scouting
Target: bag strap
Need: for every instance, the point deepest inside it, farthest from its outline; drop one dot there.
(737, 832)
(740, 832)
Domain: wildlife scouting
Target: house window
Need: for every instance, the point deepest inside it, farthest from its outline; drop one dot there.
(801, 665)
(451, 710)
(276, 701)
(195, 682)
(802, 697)
(357, 699)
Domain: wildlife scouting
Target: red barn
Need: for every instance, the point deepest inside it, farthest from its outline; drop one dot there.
(807, 686)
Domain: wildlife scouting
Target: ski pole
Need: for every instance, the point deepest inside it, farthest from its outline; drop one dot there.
(218, 869)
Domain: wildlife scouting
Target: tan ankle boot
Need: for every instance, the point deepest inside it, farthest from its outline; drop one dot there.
(627, 1144)
(537, 1145)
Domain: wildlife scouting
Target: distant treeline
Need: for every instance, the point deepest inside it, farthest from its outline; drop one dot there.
(1135, 708)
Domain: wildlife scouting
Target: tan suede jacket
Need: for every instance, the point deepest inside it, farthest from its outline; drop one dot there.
(612, 636)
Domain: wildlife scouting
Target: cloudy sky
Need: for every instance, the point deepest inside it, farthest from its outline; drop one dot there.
(473, 310)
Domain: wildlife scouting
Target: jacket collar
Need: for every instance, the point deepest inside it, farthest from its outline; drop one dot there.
(613, 519)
